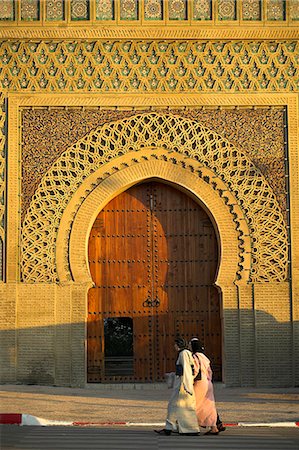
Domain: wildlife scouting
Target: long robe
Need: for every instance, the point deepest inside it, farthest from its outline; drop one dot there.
(204, 392)
(181, 414)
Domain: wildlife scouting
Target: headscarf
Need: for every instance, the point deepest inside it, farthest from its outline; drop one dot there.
(196, 345)
(181, 343)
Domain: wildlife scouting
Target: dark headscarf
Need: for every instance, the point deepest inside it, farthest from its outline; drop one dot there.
(181, 343)
(196, 346)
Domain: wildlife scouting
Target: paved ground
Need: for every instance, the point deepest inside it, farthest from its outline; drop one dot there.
(62, 438)
(146, 403)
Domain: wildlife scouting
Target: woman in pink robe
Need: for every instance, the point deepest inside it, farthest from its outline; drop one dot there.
(203, 388)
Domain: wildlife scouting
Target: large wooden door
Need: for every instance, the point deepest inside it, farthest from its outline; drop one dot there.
(153, 256)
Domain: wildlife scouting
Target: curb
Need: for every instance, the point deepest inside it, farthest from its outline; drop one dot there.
(27, 419)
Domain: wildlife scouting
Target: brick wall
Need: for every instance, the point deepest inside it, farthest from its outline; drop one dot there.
(273, 334)
(48, 345)
(8, 333)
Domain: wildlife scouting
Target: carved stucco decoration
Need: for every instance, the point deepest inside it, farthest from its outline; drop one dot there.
(184, 137)
(47, 133)
(154, 66)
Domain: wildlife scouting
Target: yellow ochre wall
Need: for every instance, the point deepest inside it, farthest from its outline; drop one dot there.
(206, 94)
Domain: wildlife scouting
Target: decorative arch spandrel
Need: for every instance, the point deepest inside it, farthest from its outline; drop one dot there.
(180, 138)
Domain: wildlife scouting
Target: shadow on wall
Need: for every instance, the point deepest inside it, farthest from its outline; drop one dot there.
(267, 350)
(260, 355)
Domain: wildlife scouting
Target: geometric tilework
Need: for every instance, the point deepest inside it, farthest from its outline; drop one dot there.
(104, 10)
(294, 9)
(55, 10)
(128, 9)
(251, 9)
(276, 10)
(227, 10)
(153, 10)
(30, 10)
(7, 10)
(79, 9)
(149, 66)
(202, 10)
(253, 194)
(177, 9)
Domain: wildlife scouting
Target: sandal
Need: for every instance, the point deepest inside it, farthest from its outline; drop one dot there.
(210, 433)
(221, 428)
(165, 432)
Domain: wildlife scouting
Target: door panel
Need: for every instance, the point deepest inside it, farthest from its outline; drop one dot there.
(120, 262)
(186, 263)
(153, 256)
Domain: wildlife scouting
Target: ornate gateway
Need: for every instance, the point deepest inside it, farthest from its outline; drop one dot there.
(148, 187)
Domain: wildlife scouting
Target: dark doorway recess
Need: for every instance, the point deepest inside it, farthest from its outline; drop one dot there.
(153, 257)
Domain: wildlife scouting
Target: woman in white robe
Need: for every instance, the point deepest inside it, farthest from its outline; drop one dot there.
(181, 412)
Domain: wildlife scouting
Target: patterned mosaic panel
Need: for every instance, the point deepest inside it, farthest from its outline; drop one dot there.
(149, 66)
(129, 9)
(202, 10)
(294, 9)
(30, 10)
(47, 134)
(276, 10)
(55, 10)
(182, 136)
(251, 10)
(104, 9)
(153, 10)
(177, 9)
(80, 9)
(227, 10)
(7, 11)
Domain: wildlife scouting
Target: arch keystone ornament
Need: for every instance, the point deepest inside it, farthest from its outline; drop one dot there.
(119, 154)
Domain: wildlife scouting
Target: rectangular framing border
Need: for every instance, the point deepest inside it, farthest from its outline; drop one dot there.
(17, 101)
(164, 101)
(199, 31)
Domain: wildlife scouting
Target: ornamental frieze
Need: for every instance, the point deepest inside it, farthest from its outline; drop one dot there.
(149, 66)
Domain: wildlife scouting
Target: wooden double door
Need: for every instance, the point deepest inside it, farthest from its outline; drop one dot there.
(153, 257)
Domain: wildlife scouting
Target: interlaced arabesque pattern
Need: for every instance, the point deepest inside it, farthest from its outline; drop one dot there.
(183, 136)
(2, 179)
(149, 66)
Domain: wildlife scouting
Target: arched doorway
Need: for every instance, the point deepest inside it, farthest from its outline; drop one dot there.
(153, 257)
